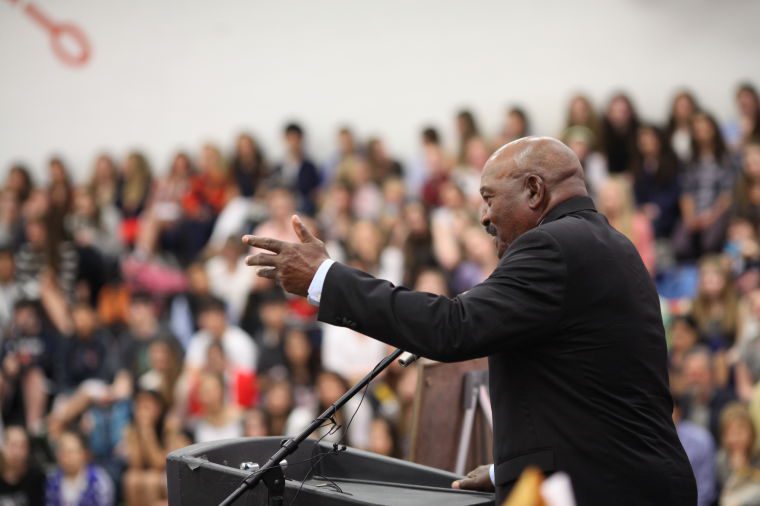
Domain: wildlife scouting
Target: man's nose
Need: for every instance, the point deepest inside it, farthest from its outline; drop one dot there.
(485, 220)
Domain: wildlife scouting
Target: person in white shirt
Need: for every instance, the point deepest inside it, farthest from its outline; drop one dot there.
(230, 279)
(9, 290)
(238, 346)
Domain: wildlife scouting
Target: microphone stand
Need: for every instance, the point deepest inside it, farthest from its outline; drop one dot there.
(271, 472)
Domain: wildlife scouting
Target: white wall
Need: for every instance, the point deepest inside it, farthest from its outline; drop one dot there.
(168, 74)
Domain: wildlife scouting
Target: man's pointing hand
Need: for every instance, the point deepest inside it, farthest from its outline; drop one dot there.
(293, 264)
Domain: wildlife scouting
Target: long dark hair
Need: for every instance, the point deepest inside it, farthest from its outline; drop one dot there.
(28, 182)
(719, 145)
(749, 88)
(633, 122)
(258, 155)
(471, 130)
(313, 364)
(667, 161)
(158, 427)
(520, 113)
(743, 185)
(592, 123)
(672, 126)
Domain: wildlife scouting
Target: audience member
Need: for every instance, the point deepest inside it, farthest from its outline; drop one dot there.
(230, 278)
(27, 357)
(684, 337)
(75, 480)
(580, 112)
(341, 163)
(430, 163)
(302, 364)
(747, 126)
(218, 419)
(704, 400)
(466, 128)
(145, 451)
(351, 424)
(161, 225)
(738, 462)
(210, 190)
(249, 169)
(9, 288)
(279, 404)
(132, 194)
(655, 182)
(619, 127)
(94, 226)
(21, 482)
(11, 226)
(582, 141)
(467, 176)
(297, 172)
(616, 203)
(238, 347)
(746, 201)
(707, 184)
(45, 252)
(104, 181)
(382, 438)
(20, 183)
(516, 125)
(143, 329)
(381, 165)
(163, 369)
(256, 423)
(700, 449)
(367, 199)
(184, 310)
(715, 305)
(678, 129)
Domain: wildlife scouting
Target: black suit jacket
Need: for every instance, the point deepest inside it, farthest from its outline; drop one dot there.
(570, 321)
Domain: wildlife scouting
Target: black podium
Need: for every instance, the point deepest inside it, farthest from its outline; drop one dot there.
(204, 474)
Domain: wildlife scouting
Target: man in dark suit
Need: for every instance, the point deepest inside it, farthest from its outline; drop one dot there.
(570, 321)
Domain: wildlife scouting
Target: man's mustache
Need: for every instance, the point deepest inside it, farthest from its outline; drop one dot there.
(491, 230)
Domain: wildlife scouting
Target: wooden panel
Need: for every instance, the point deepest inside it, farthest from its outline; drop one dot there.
(439, 413)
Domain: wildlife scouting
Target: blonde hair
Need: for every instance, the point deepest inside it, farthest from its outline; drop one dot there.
(737, 412)
(137, 183)
(624, 219)
(702, 305)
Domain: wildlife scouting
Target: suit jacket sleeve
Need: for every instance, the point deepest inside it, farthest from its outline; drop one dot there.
(520, 304)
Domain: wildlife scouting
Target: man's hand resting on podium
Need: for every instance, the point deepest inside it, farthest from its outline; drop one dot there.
(292, 264)
(477, 479)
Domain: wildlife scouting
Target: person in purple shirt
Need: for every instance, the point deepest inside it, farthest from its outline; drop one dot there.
(700, 449)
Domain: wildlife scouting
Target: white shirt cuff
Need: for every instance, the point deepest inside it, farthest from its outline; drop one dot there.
(491, 474)
(318, 281)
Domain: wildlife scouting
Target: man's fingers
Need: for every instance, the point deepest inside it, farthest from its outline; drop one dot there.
(477, 479)
(267, 272)
(463, 484)
(262, 260)
(266, 243)
(301, 231)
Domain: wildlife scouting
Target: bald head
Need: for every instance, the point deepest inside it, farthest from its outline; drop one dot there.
(524, 180)
(546, 157)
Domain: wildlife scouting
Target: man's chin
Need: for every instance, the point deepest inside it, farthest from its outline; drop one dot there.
(501, 247)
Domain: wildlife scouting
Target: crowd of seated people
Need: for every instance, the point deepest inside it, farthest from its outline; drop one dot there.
(131, 325)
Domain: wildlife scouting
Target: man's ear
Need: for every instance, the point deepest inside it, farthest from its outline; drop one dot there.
(536, 189)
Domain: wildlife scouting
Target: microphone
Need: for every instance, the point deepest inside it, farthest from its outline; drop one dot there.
(406, 359)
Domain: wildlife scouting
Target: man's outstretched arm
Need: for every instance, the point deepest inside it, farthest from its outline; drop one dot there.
(522, 299)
